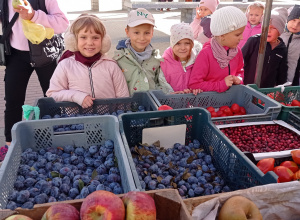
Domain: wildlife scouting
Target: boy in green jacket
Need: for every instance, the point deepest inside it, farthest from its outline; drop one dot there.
(139, 61)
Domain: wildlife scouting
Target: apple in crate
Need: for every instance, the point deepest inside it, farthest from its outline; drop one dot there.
(102, 205)
(18, 217)
(63, 211)
(139, 206)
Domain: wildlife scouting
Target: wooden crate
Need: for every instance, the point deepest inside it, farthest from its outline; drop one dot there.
(168, 202)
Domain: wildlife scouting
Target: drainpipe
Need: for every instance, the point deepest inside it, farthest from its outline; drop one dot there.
(263, 42)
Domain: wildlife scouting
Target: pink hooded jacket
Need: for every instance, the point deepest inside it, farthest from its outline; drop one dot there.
(248, 32)
(55, 19)
(176, 75)
(71, 81)
(207, 73)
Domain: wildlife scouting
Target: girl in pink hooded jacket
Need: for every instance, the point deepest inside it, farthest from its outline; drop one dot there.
(84, 72)
(201, 23)
(220, 64)
(254, 15)
(180, 57)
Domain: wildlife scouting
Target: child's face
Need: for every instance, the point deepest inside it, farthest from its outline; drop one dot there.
(294, 26)
(273, 34)
(204, 11)
(255, 15)
(89, 42)
(232, 39)
(140, 36)
(183, 49)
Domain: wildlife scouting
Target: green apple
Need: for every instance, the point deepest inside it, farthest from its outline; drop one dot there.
(16, 3)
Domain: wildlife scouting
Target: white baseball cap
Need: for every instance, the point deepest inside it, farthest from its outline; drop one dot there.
(140, 16)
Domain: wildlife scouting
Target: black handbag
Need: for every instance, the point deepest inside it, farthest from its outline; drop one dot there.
(49, 50)
(5, 36)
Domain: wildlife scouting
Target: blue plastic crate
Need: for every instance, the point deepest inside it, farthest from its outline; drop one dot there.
(233, 166)
(258, 106)
(39, 134)
(48, 106)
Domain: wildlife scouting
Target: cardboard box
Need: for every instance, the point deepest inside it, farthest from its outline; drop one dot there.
(168, 202)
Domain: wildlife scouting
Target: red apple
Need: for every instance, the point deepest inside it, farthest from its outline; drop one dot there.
(18, 217)
(61, 211)
(214, 114)
(228, 112)
(102, 205)
(139, 206)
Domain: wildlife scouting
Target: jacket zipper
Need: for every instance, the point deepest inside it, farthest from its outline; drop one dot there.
(228, 63)
(91, 79)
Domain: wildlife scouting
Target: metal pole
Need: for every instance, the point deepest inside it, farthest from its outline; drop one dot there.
(263, 42)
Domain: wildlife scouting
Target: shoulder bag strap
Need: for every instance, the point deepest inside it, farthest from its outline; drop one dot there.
(9, 27)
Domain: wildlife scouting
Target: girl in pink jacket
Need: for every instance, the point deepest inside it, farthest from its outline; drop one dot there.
(219, 64)
(180, 57)
(201, 23)
(254, 15)
(84, 73)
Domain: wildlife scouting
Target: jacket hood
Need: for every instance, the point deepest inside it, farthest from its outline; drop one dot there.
(121, 45)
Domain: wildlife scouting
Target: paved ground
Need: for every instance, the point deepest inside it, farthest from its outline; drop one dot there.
(115, 23)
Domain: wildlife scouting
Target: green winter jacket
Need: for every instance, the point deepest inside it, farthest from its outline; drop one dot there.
(141, 77)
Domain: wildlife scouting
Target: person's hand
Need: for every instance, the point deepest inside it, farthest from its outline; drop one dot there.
(177, 92)
(236, 80)
(186, 91)
(198, 14)
(229, 80)
(26, 12)
(197, 91)
(87, 102)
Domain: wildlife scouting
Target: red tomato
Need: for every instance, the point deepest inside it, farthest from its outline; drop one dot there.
(164, 107)
(296, 156)
(219, 113)
(210, 109)
(266, 165)
(235, 108)
(295, 103)
(284, 174)
(228, 112)
(291, 165)
(223, 107)
(296, 175)
(214, 114)
(243, 110)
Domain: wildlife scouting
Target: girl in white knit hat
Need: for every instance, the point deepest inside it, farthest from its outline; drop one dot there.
(179, 58)
(84, 73)
(219, 64)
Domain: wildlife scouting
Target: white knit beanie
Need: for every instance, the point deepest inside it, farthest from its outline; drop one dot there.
(179, 32)
(279, 18)
(227, 19)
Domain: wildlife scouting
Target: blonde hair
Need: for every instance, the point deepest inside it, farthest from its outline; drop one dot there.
(88, 21)
(256, 5)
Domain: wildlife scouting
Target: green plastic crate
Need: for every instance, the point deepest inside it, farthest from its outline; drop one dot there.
(289, 94)
(233, 166)
(293, 119)
(258, 106)
(48, 106)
